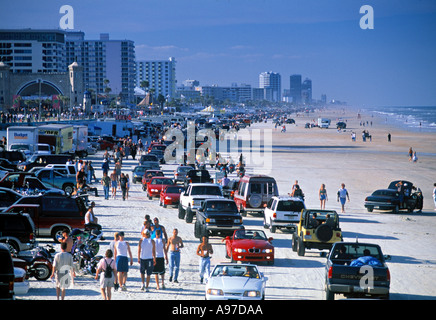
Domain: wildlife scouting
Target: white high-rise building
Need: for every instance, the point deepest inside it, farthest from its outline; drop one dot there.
(271, 83)
(160, 74)
(102, 60)
(33, 50)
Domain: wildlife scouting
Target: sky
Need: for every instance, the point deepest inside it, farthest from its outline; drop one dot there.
(232, 41)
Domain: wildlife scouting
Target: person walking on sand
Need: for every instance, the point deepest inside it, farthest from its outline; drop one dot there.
(112, 248)
(161, 258)
(322, 196)
(123, 185)
(146, 259)
(343, 196)
(122, 248)
(106, 182)
(108, 270)
(63, 271)
(410, 154)
(114, 184)
(174, 245)
(204, 251)
(434, 195)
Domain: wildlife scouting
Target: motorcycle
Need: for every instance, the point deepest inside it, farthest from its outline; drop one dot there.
(85, 259)
(89, 237)
(39, 265)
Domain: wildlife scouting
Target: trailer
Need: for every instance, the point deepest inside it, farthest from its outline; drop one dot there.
(60, 136)
(80, 141)
(22, 138)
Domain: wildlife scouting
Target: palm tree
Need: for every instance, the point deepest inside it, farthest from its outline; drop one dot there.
(144, 85)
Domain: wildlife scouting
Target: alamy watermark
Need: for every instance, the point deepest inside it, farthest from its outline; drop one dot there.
(207, 146)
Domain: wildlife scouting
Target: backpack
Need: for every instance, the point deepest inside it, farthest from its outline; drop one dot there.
(108, 270)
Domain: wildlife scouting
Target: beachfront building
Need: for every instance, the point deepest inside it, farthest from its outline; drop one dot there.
(33, 50)
(234, 93)
(271, 83)
(295, 88)
(160, 74)
(306, 91)
(107, 63)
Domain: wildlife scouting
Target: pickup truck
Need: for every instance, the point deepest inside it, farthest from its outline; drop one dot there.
(217, 217)
(52, 178)
(192, 199)
(357, 270)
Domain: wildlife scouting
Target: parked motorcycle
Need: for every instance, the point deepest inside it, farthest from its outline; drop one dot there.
(84, 258)
(39, 265)
(88, 237)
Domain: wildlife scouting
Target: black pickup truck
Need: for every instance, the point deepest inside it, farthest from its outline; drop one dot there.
(217, 217)
(357, 270)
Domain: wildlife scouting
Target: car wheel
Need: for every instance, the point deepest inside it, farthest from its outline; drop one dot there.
(182, 212)
(396, 209)
(301, 249)
(57, 233)
(370, 209)
(68, 188)
(294, 242)
(329, 295)
(189, 215)
(271, 227)
(197, 230)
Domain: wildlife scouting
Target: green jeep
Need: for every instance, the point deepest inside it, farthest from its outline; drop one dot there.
(317, 229)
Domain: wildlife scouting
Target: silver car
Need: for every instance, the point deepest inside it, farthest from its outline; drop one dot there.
(236, 282)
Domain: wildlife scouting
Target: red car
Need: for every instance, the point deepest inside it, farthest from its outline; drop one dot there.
(148, 175)
(156, 185)
(170, 195)
(249, 245)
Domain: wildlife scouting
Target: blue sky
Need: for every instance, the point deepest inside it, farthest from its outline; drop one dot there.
(226, 41)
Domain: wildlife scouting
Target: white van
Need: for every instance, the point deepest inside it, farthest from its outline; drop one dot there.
(323, 123)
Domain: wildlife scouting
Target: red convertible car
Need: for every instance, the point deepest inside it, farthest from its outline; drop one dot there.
(148, 175)
(156, 184)
(170, 196)
(249, 245)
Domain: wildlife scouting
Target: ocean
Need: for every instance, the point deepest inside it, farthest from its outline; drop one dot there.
(413, 118)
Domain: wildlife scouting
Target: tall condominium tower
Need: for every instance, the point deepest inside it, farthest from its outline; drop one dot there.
(160, 74)
(102, 60)
(33, 51)
(306, 91)
(295, 88)
(271, 83)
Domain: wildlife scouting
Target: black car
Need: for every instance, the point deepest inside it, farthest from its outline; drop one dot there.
(5, 163)
(6, 274)
(17, 230)
(396, 197)
(217, 217)
(148, 158)
(198, 176)
(8, 197)
(341, 125)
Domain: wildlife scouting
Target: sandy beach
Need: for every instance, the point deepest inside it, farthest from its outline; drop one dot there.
(311, 156)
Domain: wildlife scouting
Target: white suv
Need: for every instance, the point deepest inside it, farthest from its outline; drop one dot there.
(283, 212)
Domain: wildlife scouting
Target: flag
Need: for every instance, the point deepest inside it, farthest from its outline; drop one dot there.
(56, 102)
(16, 101)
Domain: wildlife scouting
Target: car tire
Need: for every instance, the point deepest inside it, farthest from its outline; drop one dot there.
(56, 233)
(197, 233)
(271, 227)
(182, 212)
(294, 242)
(189, 215)
(329, 295)
(265, 225)
(68, 188)
(301, 250)
(370, 209)
(396, 209)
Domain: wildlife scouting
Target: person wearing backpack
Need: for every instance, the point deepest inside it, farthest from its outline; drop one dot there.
(107, 270)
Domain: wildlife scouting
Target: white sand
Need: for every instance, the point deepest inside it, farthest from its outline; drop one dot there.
(311, 156)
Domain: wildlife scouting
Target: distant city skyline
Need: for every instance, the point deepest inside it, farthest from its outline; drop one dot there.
(223, 42)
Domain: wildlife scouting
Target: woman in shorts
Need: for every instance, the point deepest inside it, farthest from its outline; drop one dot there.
(106, 282)
(322, 196)
(122, 248)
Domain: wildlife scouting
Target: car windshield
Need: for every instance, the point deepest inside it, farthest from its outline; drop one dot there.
(140, 169)
(154, 173)
(289, 205)
(250, 234)
(209, 190)
(184, 169)
(236, 271)
(227, 206)
(161, 181)
(157, 147)
(174, 190)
